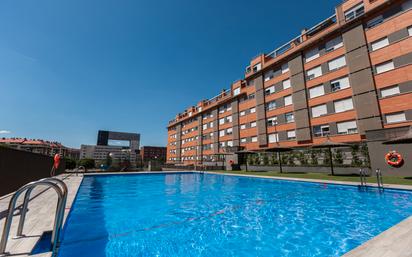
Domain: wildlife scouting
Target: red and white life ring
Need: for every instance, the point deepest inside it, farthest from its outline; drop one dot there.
(394, 159)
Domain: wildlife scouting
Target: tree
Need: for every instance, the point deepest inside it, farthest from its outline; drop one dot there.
(87, 163)
(326, 158)
(365, 153)
(257, 159)
(292, 158)
(302, 158)
(70, 163)
(265, 159)
(273, 159)
(356, 162)
(314, 157)
(338, 157)
(285, 158)
(250, 159)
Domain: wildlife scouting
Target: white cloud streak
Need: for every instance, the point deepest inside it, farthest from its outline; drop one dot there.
(5, 132)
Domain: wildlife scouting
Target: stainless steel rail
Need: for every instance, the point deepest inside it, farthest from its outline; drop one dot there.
(362, 175)
(61, 190)
(379, 179)
(27, 199)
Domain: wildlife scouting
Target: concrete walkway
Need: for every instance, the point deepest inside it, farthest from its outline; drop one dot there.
(40, 216)
(394, 242)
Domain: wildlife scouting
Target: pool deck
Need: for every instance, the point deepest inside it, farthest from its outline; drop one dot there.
(394, 242)
(40, 216)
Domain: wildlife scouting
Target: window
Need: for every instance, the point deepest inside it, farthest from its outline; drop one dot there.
(321, 131)
(354, 12)
(270, 90)
(334, 44)
(410, 31)
(319, 110)
(272, 121)
(242, 113)
(314, 73)
(290, 117)
(243, 140)
(271, 105)
(348, 127)
(287, 100)
(253, 124)
(252, 110)
(222, 144)
(236, 91)
(316, 91)
(229, 118)
(268, 75)
(380, 43)
(375, 21)
(291, 134)
(273, 138)
(343, 105)
(211, 124)
(337, 63)
(285, 68)
(229, 131)
(390, 91)
(257, 67)
(230, 143)
(286, 84)
(312, 55)
(204, 126)
(221, 121)
(243, 126)
(251, 96)
(387, 66)
(254, 139)
(395, 117)
(339, 84)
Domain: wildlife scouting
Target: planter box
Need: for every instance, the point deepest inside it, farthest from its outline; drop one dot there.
(305, 169)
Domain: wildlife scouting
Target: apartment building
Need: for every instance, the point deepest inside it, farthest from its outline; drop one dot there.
(149, 153)
(39, 146)
(349, 74)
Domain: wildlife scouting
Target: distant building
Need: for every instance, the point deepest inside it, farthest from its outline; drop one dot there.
(38, 146)
(73, 153)
(105, 146)
(148, 153)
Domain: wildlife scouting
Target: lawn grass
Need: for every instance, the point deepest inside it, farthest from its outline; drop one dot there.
(351, 178)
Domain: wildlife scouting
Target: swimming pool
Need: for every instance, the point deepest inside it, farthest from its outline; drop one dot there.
(193, 214)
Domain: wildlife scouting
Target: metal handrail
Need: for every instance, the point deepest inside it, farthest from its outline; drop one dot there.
(362, 175)
(58, 221)
(379, 179)
(27, 199)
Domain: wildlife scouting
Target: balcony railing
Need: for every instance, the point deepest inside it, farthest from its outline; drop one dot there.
(300, 39)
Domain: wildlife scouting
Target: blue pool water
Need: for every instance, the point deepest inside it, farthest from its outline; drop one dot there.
(215, 215)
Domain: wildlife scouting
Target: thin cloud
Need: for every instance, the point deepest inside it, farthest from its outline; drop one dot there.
(5, 132)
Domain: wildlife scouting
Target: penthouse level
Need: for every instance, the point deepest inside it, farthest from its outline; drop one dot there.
(346, 75)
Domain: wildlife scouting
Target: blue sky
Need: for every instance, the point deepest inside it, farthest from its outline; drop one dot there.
(71, 67)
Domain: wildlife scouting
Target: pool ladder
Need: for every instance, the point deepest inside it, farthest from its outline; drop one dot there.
(61, 189)
(363, 174)
(379, 179)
